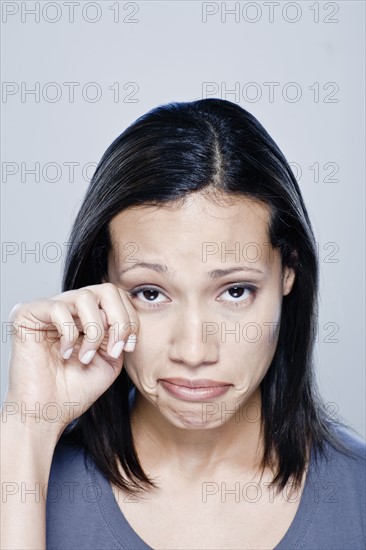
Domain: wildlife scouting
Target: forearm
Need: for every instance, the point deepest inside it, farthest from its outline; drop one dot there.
(26, 456)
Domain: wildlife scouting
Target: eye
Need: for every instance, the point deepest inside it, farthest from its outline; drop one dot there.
(148, 294)
(239, 293)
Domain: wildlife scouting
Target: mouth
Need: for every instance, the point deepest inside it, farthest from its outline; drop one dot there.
(194, 390)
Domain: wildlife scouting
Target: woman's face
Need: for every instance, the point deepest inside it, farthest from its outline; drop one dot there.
(208, 288)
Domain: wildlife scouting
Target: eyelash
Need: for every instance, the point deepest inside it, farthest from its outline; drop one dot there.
(253, 289)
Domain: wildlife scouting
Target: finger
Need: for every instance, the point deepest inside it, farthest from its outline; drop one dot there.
(134, 323)
(85, 306)
(121, 317)
(44, 316)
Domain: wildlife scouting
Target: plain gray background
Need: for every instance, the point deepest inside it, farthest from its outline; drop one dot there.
(155, 52)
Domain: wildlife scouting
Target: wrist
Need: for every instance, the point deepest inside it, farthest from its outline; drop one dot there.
(33, 419)
(30, 428)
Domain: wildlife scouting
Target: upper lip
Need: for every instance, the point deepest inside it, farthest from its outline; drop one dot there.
(197, 383)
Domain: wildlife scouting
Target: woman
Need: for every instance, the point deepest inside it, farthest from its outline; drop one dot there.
(178, 357)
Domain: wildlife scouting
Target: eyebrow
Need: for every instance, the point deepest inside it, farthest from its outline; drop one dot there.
(215, 274)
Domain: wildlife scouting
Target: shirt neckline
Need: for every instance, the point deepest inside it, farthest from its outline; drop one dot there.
(307, 508)
(115, 521)
(124, 533)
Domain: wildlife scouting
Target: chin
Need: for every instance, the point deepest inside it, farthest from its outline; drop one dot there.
(190, 421)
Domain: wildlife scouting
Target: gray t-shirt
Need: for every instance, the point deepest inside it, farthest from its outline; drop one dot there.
(82, 511)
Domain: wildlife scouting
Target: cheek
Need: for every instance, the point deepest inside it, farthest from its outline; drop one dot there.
(250, 354)
(141, 364)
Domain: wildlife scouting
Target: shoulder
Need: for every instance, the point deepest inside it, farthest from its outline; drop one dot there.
(340, 475)
(349, 447)
(79, 504)
(332, 509)
(68, 462)
(351, 438)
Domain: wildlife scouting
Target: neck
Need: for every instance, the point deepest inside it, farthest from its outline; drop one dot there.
(160, 444)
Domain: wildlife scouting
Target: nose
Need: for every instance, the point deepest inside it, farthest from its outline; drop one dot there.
(187, 345)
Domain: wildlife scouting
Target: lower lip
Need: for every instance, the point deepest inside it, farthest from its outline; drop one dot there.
(194, 394)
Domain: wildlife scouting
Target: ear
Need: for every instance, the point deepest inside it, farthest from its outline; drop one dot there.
(288, 279)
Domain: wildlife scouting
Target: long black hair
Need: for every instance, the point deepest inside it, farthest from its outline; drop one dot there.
(166, 154)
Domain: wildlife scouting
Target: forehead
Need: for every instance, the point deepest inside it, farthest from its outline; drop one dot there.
(199, 218)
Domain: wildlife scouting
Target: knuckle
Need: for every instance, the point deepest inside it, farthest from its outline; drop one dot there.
(56, 296)
(109, 287)
(17, 312)
(57, 306)
(85, 294)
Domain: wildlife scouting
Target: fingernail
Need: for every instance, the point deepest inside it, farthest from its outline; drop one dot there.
(67, 353)
(131, 342)
(117, 349)
(88, 356)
